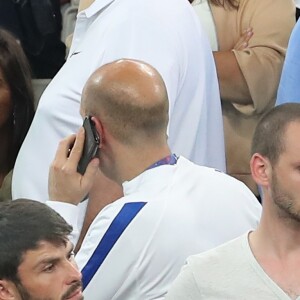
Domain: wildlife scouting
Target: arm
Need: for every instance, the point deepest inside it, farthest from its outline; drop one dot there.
(260, 63)
(228, 71)
(103, 192)
(66, 186)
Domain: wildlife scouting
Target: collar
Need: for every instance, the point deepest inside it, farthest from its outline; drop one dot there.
(152, 181)
(95, 7)
(168, 160)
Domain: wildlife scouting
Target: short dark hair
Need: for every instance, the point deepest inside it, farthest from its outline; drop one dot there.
(268, 139)
(23, 224)
(16, 71)
(126, 118)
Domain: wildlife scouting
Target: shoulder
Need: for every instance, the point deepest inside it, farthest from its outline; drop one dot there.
(219, 261)
(217, 188)
(211, 181)
(221, 273)
(206, 275)
(209, 175)
(219, 253)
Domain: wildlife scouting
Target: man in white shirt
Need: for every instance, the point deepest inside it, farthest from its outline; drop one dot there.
(163, 33)
(171, 207)
(263, 264)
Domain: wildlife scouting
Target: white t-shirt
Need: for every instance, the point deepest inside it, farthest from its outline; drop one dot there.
(229, 271)
(182, 209)
(164, 33)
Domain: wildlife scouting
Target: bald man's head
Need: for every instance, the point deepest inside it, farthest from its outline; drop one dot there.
(130, 99)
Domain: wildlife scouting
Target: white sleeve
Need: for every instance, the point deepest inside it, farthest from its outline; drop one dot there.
(70, 213)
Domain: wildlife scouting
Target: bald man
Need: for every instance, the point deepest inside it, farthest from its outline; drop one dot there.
(165, 34)
(171, 207)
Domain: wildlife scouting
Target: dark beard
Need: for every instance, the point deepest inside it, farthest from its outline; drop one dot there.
(26, 296)
(284, 201)
(24, 293)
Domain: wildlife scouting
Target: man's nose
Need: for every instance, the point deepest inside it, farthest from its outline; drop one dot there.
(73, 272)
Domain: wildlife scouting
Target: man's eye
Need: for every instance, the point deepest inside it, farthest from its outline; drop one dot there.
(71, 255)
(49, 268)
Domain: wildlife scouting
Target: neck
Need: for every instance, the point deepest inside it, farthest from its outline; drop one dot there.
(275, 234)
(275, 246)
(133, 163)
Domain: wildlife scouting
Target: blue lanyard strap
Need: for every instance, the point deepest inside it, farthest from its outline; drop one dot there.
(168, 160)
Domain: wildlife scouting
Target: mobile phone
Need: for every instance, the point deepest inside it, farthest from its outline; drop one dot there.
(91, 144)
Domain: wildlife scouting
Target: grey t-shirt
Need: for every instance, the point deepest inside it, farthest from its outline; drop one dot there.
(228, 272)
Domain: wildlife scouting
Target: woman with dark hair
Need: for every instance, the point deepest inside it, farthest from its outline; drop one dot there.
(251, 38)
(16, 106)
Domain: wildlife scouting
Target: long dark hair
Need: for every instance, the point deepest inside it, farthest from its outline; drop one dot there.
(17, 74)
(225, 3)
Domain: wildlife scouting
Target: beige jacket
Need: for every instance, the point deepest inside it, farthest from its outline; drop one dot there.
(272, 22)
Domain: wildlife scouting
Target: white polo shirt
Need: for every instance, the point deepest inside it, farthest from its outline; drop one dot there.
(137, 245)
(163, 33)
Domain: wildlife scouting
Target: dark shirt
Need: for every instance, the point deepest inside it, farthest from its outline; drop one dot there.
(37, 24)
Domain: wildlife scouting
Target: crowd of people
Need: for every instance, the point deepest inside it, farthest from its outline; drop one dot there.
(179, 96)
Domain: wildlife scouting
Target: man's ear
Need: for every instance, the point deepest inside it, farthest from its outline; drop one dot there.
(7, 290)
(260, 169)
(99, 128)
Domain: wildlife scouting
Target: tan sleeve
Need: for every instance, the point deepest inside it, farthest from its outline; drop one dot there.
(272, 22)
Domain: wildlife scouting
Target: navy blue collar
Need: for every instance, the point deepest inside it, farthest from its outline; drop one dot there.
(168, 160)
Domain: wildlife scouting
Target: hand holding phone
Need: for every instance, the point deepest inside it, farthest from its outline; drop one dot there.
(91, 144)
(65, 183)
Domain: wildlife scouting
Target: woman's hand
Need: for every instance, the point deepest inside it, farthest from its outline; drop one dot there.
(243, 41)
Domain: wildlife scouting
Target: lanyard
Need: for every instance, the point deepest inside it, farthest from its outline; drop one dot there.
(168, 160)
